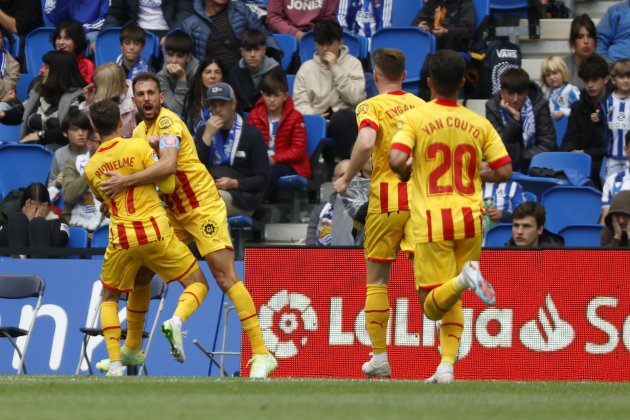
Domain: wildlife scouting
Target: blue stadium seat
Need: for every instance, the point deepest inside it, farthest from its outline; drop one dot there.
(571, 205)
(289, 45)
(561, 129)
(36, 45)
(582, 235)
(21, 89)
(530, 196)
(108, 46)
(12, 44)
(498, 235)
(415, 43)
(482, 9)
(580, 162)
(78, 239)
(291, 82)
(100, 239)
(357, 45)
(10, 133)
(508, 4)
(537, 184)
(23, 164)
(403, 12)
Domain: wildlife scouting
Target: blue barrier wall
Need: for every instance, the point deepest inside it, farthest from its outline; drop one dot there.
(71, 293)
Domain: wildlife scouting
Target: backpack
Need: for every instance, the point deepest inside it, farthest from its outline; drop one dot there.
(500, 56)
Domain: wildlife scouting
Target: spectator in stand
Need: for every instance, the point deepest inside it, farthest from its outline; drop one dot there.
(49, 101)
(282, 128)
(234, 153)
(34, 226)
(616, 231)
(521, 116)
(586, 130)
(155, 16)
(331, 85)
(179, 69)
(452, 22)
(613, 32)
(616, 183)
(132, 40)
(216, 27)
(582, 40)
(528, 228)
(560, 94)
(365, 17)
(110, 82)
(253, 66)
(9, 76)
(298, 17)
(91, 14)
(616, 115)
(20, 17)
(69, 36)
(76, 127)
(505, 197)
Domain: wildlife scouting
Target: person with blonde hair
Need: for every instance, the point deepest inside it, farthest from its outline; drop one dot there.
(560, 93)
(110, 82)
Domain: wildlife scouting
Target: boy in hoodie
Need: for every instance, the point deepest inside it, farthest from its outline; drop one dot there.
(253, 66)
(179, 68)
(132, 39)
(528, 228)
(616, 232)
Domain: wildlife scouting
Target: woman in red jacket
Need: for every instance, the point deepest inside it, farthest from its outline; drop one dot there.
(69, 36)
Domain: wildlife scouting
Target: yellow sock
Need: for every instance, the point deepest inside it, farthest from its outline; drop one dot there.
(190, 300)
(451, 333)
(111, 329)
(442, 298)
(246, 310)
(137, 308)
(376, 316)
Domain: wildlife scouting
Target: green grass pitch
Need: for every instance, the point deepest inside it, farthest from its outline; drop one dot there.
(156, 398)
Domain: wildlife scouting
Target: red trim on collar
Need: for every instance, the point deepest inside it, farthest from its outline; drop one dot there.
(445, 102)
(396, 92)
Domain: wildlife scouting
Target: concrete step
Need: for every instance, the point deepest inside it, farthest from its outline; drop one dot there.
(285, 233)
(541, 48)
(533, 67)
(477, 105)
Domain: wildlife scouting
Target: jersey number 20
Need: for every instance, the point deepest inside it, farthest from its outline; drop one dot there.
(453, 165)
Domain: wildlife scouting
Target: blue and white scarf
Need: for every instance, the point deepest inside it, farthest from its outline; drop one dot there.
(527, 120)
(141, 66)
(223, 150)
(3, 64)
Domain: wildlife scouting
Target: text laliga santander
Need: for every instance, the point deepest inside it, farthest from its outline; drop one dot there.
(493, 327)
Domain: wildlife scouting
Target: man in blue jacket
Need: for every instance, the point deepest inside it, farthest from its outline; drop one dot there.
(613, 32)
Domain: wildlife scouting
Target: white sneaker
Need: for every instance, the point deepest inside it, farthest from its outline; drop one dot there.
(443, 375)
(262, 365)
(472, 279)
(371, 368)
(115, 371)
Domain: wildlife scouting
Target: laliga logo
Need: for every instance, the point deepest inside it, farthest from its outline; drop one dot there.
(288, 322)
(559, 333)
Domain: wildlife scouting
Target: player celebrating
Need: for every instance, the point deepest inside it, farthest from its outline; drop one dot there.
(387, 226)
(140, 235)
(195, 210)
(447, 143)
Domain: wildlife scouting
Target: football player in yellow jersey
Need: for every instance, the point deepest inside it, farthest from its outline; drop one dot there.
(196, 210)
(139, 236)
(387, 226)
(447, 143)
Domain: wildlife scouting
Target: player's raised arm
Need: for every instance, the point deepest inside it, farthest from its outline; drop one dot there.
(399, 161)
(361, 152)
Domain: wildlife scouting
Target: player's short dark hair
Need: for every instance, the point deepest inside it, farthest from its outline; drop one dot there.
(252, 39)
(593, 68)
(75, 118)
(132, 32)
(143, 77)
(74, 31)
(446, 69)
(390, 62)
(178, 42)
(579, 22)
(274, 82)
(515, 80)
(327, 31)
(105, 116)
(531, 208)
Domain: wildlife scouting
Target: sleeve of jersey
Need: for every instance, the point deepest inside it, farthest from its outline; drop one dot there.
(167, 126)
(404, 139)
(149, 157)
(366, 116)
(494, 150)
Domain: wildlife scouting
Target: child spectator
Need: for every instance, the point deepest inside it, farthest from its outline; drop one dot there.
(282, 128)
(69, 36)
(253, 66)
(9, 76)
(616, 232)
(132, 39)
(505, 196)
(616, 114)
(560, 93)
(615, 183)
(179, 69)
(75, 127)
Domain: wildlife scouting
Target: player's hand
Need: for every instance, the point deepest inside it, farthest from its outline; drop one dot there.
(116, 184)
(176, 70)
(226, 183)
(424, 25)
(494, 213)
(616, 226)
(329, 59)
(154, 142)
(341, 185)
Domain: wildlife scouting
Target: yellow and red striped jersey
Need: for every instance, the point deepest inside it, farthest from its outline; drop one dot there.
(193, 183)
(136, 216)
(447, 143)
(382, 112)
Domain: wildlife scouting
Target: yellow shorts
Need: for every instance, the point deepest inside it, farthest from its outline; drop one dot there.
(386, 234)
(168, 257)
(437, 262)
(206, 225)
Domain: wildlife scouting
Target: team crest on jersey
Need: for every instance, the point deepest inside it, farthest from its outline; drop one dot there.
(400, 124)
(362, 109)
(164, 123)
(209, 228)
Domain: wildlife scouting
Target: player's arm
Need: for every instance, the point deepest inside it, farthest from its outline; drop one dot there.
(164, 167)
(399, 161)
(498, 174)
(361, 152)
